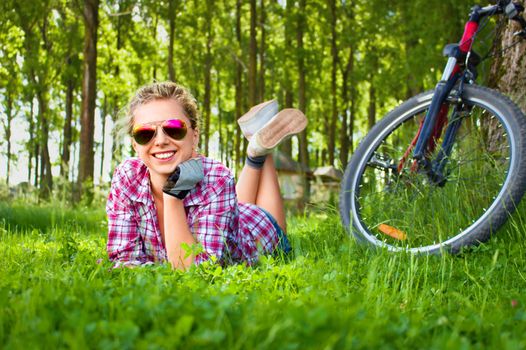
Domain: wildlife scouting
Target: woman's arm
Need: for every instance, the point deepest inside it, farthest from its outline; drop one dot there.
(212, 213)
(176, 232)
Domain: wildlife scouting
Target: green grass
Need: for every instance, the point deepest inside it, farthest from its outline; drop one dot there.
(329, 293)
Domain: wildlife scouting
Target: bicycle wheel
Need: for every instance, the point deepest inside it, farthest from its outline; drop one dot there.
(403, 209)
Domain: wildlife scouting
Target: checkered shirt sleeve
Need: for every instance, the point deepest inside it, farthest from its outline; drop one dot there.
(124, 242)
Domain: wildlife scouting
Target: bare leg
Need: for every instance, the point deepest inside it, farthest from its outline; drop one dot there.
(261, 187)
(248, 184)
(269, 195)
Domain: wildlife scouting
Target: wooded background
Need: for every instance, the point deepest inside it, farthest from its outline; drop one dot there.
(344, 63)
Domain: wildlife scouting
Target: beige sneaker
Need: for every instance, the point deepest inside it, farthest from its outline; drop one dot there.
(256, 117)
(286, 123)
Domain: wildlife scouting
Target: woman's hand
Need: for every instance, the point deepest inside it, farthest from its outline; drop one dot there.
(184, 178)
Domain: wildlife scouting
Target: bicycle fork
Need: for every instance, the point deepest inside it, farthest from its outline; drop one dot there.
(435, 116)
(431, 128)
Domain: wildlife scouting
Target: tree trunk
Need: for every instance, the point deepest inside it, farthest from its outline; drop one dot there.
(172, 14)
(46, 178)
(346, 137)
(239, 85)
(508, 71)
(371, 111)
(70, 81)
(37, 163)
(334, 111)
(352, 113)
(261, 89)
(252, 56)
(66, 144)
(206, 102)
(89, 83)
(31, 142)
(208, 73)
(7, 129)
(222, 146)
(286, 146)
(37, 179)
(303, 142)
(116, 147)
(103, 114)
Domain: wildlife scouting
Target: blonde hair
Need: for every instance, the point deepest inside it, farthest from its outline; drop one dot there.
(163, 91)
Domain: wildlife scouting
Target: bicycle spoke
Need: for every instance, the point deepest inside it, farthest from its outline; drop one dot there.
(410, 199)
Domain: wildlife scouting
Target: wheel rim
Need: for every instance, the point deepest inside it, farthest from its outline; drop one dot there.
(406, 212)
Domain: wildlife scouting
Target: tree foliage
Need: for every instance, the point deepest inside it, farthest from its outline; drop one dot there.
(344, 62)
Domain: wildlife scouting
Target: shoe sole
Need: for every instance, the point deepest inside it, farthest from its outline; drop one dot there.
(286, 123)
(247, 117)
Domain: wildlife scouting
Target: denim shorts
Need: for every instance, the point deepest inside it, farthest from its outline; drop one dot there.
(283, 241)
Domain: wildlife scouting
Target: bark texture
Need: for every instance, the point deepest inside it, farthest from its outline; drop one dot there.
(172, 13)
(208, 75)
(303, 141)
(508, 70)
(86, 159)
(67, 133)
(252, 56)
(261, 53)
(239, 84)
(334, 104)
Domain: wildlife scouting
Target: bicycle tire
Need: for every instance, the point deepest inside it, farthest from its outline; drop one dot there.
(368, 193)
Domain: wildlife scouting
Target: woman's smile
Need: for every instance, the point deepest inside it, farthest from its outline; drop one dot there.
(164, 155)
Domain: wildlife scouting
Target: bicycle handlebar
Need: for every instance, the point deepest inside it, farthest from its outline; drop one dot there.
(511, 9)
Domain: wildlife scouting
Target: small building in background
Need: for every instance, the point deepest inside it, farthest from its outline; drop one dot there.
(324, 181)
(326, 184)
(290, 175)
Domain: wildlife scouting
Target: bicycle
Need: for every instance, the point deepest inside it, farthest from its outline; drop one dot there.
(447, 167)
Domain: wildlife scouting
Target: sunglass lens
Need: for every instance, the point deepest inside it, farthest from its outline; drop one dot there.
(175, 128)
(143, 135)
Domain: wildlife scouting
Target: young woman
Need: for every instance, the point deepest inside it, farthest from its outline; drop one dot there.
(169, 197)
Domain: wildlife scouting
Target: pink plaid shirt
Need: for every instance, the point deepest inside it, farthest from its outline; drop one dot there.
(230, 231)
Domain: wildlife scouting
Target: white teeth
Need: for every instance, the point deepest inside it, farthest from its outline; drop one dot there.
(164, 155)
